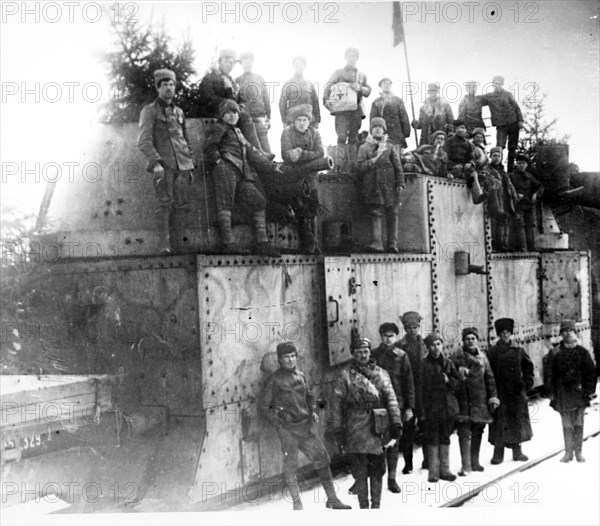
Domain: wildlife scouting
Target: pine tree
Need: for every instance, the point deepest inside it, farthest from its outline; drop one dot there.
(138, 52)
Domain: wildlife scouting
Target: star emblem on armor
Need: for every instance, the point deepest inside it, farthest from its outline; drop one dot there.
(459, 214)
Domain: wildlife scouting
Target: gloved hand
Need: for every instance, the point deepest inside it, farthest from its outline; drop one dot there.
(463, 372)
(396, 431)
(295, 154)
(493, 403)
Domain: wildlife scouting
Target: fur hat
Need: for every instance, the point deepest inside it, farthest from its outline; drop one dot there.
(351, 50)
(301, 58)
(360, 343)
(459, 122)
(499, 79)
(435, 134)
(470, 330)
(433, 337)
(496, 149)
(163, 74)
(227, 105)
(479, 131)
(377, 121)
(384, 79)
(433, 86)
(411, 318)
(504, 324)
(568, 325)
(227, 53)
(246, 54)
(286, 348)
(301, 109)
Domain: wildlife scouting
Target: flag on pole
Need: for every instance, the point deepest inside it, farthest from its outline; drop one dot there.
(397, 26)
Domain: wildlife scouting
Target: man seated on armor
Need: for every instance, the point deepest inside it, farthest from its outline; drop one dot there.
(302, 152)
(383, 182)
(218, 85)
(481, 157)
(235, 163)
(529, 190)
(461, 160)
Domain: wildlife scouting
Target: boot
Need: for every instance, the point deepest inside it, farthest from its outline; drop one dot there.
(263, 247)
(164, 236)
(425, 463)
(578, 443)
(518, 454)
(307, 237)
(362, 490)
(332, 499)
(376, 487)
(292, 485)
(225, 231)
(530, 238)
(376, 227)
(478, 196)
(568, 433)
(352, 156)
(498, 456)
(340, 157)
(465, 455)
(433, 458)
(475, 448)
(445, 473)
(520, 240)
(505, 238)
(392, 232)
(352, 489)
(407, 453)
(392, 454)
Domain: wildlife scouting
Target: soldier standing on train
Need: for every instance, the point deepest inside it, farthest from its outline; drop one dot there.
(347, 123)
(397, 364)
(570, 380)
(439, 407)
(415, 348)
(513, 372)
(476, 396)
(383, 182)
(299, 90)
(163, 140)
(365, 417)
(288, 403)
(435, 114)
(469, 109)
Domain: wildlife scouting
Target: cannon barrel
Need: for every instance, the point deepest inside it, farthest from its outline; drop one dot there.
(590, 194)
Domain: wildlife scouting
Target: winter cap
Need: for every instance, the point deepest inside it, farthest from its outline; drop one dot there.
(459, 122)
(433, 86)
(479, 131)
(351, 50)
(163, 74)
(431, 338)
(384, 79)
(471, 83)
(470, 330)
(411, 318)
(246, 54)
(361, 343)
(499, 79)
(425, 148)
(522, 157)
(227, 53)
(378, 121)
(568, 325)
(504, 324)
(286, 348)
(227, 105)
(496, 149)
(297, 111)
(301, 58)
(435, 134)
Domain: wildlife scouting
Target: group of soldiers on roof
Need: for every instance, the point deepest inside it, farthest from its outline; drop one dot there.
(384, 396)
(245, 175)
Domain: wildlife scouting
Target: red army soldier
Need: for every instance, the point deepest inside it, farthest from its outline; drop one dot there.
(288, 403)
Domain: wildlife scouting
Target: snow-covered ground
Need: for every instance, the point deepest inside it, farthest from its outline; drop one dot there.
(548, 493)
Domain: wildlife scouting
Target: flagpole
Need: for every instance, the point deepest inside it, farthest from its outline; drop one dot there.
(412, 104)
